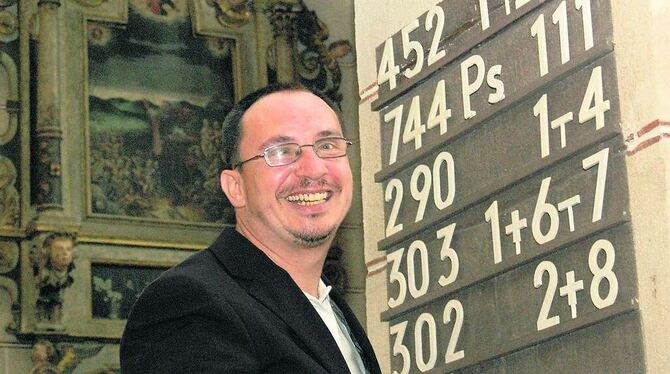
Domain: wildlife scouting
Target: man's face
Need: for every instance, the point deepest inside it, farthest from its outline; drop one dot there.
(301, 203)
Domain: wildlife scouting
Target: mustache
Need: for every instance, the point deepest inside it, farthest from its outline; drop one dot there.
(305, 183)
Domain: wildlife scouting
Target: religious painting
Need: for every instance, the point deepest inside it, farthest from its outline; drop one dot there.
(157, 97)
(115, 288)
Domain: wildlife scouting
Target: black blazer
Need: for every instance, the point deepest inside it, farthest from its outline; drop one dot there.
(230, 309)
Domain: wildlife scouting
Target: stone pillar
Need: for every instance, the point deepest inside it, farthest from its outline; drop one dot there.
(282, 16)
(47, 184)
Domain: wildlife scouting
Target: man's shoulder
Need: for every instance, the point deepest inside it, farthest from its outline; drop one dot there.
(206, 263)
(196, 273)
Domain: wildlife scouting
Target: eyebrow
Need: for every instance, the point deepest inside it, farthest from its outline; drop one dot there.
(279, 139)
(327, 133)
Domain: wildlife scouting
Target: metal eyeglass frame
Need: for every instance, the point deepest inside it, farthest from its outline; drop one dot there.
(298, 152)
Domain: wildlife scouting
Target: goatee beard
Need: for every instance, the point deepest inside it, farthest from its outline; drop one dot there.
(312, 239)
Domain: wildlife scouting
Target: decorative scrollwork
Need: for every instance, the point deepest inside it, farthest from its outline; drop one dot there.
(9, 256)
(8, 23)
(282, 15)
(315, 61)
(9, 196)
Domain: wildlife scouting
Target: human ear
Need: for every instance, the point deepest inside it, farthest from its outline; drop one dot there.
(233, 186)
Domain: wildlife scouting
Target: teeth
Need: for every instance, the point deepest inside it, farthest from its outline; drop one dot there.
(305, 199)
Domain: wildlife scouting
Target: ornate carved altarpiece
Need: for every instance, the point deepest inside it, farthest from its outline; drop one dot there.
(109, 151)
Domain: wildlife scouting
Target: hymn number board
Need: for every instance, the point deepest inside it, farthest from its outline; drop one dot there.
(506, 209)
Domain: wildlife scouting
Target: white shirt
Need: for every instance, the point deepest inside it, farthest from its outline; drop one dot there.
(337, 329)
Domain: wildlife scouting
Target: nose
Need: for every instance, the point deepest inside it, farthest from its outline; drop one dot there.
(310, 165)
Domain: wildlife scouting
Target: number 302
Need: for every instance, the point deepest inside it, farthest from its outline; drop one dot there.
(425, 327)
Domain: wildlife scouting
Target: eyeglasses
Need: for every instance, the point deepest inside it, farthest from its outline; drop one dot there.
(288, 153)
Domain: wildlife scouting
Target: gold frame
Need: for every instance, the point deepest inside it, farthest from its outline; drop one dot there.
(149, 232)
(78, 315)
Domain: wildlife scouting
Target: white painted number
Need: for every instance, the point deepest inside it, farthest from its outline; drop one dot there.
(492, 217)
(538, 30)
(438, 13)
(395, 258)
(560, 18)
(439, 114)
(572, 286)
(484, 10)
(420, 247)
(594, 95)
(585, 7)
(412, 46)
(425, 319)
(396, 116)
(425, 330)
(601, 159)
(394, 185)
(484, 14)
(387, 68)
(412, 49)
(448, 160)
(414, 129)
(453, 306)
(411, 283)
(400, 349)
(543, 208)
(420, 194)
(603, 272)
(447, 233)
(540, 109)
(543, 320)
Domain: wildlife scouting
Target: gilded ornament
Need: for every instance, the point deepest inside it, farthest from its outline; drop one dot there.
(232, 13)
(8, 23)
(9, 256)
(98, 34)
(282, 15)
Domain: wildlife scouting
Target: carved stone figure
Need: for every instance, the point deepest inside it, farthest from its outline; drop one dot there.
(52, 266)
(49, 358)
(43, 356)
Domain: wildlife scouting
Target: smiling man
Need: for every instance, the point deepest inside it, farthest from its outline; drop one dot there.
(255, 301)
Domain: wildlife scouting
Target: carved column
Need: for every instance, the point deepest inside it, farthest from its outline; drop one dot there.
(282, 16)
(47, 186)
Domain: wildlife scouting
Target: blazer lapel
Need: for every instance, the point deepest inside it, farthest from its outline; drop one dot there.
(274, 288)
(357, 330)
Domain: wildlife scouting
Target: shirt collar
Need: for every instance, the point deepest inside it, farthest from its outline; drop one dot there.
(322, 291)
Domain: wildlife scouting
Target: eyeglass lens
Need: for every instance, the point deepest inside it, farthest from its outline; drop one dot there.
(283, 154)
